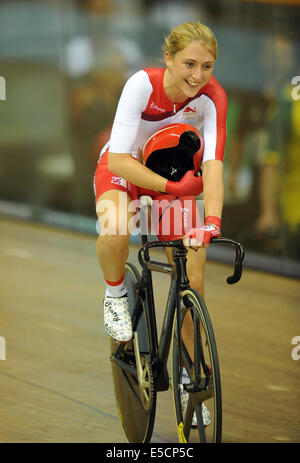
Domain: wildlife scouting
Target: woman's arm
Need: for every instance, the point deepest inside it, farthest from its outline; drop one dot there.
(125, 166)
(213, 187)
(213, 192)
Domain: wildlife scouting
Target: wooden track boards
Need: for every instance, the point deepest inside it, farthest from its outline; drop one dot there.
(56, 385)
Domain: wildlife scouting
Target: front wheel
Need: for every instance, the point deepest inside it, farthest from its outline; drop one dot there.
(196, 379)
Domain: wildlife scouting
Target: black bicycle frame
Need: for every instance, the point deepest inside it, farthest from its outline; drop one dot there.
(159, 352)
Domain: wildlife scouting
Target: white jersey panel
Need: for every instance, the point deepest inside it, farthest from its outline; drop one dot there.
(209, 128)
(132, 103)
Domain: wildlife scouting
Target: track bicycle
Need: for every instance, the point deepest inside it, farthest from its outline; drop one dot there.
(139, 366)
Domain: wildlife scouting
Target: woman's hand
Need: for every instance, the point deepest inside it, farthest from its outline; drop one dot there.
(201, 237)
(189, 185)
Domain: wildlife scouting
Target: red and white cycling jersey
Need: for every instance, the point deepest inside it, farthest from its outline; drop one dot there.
(144, 108)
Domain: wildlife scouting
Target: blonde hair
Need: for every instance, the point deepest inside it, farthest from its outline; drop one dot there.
(183, 34)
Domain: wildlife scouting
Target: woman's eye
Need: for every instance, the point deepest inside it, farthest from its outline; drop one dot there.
(189, 64)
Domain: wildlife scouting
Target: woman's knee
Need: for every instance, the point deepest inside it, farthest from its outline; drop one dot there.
(113, 214)
(196, 280)
(112, 243)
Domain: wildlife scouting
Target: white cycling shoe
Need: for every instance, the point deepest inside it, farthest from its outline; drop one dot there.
(117, 320)
(184, 396)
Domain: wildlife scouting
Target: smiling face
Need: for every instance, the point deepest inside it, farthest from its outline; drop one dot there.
(187, 71)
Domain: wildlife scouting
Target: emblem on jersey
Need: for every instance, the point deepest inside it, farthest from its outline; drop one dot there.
(154, 106)
(119, 181)
(189, 112)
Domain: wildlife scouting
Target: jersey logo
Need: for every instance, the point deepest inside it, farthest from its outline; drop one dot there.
(154, 106)
(189, 112)
(119, 181)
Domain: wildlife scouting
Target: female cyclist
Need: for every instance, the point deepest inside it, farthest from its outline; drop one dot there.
(184, 91)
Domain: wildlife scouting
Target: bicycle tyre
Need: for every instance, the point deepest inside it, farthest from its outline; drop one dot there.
(136, 416)
(207, 368)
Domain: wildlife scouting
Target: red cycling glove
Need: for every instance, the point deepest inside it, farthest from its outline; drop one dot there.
(204, 234)
(189, 185)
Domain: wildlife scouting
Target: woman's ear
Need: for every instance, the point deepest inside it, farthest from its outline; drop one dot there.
(168, 58)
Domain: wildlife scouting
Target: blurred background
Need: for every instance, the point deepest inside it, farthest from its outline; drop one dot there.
(63, 64)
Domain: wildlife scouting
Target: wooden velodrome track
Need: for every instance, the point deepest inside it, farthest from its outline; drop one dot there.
(55, 383)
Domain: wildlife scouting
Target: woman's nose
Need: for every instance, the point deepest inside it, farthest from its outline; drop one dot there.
(197, 74)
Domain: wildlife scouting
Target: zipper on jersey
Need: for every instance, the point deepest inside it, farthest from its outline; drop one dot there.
(174, 109)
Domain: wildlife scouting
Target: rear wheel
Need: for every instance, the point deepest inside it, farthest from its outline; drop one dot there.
(202, 382)
(136, 400)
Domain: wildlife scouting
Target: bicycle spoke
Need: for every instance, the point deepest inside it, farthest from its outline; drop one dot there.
(188, 419)
(201, 427)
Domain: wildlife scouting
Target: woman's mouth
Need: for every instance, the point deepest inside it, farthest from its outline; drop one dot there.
(191, 84)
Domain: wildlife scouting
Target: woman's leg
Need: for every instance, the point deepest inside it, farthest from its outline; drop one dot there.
(196, 261)
(195, 270)
(113, 241)
(112, 251)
